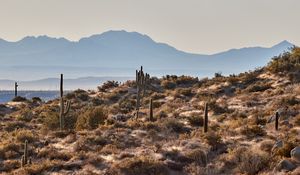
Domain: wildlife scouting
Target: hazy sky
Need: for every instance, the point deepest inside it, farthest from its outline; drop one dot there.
(199, 26)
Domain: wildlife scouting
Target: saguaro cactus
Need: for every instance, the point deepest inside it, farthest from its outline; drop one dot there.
(141, 84)
(276, 120)
(24, 159)
(63, 109)
(205, 118)
(151, 110)
(16, 89)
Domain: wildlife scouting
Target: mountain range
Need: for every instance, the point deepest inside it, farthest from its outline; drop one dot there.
(118, 54)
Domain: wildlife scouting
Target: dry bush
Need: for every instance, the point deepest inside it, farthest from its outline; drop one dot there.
(213, 139)
(297, 120)
(289, 101)
(108, 85)
(198, 156)
(252, 131)
(141, 166)
(248, 161)
(9, 150)
(288, 145)
(195, 120)
(25, 115)
(183, 91)
(40, 168)
(23, 134)
(173, 124)
(52, 153)
(267, 145)
(9, 165)
(13, 125)
(286, 62)
(19, 99)
(166, 84)
(258, 87)
(91, 118)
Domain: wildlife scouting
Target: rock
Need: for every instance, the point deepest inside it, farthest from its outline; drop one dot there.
(277, 145)
(295, 154)
(285, 165)
(120, 117)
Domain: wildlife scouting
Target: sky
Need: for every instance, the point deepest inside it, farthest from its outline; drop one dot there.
(197, 26)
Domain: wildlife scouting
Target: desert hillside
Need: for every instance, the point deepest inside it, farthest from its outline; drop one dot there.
(101, 133)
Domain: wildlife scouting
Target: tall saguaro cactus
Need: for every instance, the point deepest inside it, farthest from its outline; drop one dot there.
(16, 89)
(63, 109)
(141, 85)
(276, 120)
(205, 118)
(24, 159)
(151, 110)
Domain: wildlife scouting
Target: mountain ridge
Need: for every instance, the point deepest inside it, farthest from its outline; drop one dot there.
(130, 50)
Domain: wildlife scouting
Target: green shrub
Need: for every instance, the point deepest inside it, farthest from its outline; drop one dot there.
(286, 62)
(166, 84)
(19, 99)
(91, 118)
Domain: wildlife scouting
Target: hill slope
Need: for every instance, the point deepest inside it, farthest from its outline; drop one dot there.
(103, 136)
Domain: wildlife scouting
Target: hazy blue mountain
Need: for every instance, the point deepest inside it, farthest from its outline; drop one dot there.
(38, 56)
(53, 83)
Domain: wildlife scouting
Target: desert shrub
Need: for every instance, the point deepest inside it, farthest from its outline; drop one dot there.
(51, 153)
(9, 147)
(289, 101)
(40, 168)
(97, 101)
(108, 85)
(51, 120)
(297, 120)
(198, 156)
(19, 99)
(252, 131)
(294, 76)
(25, 115)
(127, 104)
(288, 145)
(36, 99)
(213, 139)
(248, 161)
(173, 125)
(166, 84)
(249, 77)
(141, 166)
(258, 87)
(23, 134)
(70, 95)
(267, 145)
(186, 80)
(195, 120)
(11, 126)
(9, 165)
(286, 62)
(83, 96)
(183, 91)
(156, 96)
(91, 118)
(213, 105)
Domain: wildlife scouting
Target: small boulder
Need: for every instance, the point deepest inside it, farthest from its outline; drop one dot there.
(277, 145)
(285, 165)
(295, 154)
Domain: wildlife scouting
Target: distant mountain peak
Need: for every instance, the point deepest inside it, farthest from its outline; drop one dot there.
(284, 43)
